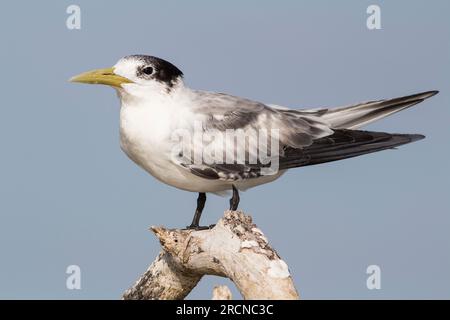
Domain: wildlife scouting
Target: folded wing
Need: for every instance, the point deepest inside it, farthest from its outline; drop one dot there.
(306, 137)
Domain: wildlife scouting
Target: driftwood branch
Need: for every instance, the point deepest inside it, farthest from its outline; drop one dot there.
(235, 248)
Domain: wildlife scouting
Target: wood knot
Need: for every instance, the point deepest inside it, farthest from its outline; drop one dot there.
(172, 240)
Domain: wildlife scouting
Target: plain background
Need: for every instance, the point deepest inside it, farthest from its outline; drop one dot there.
(68, 195)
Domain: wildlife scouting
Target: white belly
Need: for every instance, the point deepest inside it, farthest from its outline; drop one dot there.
(146, 137)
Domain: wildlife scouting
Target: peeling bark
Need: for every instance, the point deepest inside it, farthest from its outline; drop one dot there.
(235, 248)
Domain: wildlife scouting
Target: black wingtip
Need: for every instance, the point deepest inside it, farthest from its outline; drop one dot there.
(415, 137)
(407, 137)
(429, 94)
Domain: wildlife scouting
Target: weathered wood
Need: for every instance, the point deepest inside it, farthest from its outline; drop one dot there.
(221, 293)
(235, 248)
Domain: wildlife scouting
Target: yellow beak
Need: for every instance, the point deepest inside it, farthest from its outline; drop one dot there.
(101, 76)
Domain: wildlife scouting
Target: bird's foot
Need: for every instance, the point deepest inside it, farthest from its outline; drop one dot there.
(197, 228)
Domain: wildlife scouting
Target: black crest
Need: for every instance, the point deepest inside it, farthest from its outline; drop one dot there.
(163, 70)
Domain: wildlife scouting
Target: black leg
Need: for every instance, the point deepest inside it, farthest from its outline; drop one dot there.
(234, 201)
(198, 212)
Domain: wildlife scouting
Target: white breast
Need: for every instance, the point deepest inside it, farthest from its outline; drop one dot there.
(146, 129)
(145, 134)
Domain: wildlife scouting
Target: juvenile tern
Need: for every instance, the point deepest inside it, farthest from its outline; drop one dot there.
(156, 103)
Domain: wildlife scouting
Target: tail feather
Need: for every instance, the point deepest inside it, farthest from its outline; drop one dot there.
(344, 144)
(356, 116)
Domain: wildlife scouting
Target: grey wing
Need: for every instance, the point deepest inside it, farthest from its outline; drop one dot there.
(220, 112)
(296, 128)
(306, 137)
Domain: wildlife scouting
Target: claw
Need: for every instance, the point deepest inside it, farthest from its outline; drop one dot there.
(197, 228)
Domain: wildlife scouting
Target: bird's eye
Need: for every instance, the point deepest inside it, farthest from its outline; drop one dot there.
(147, 70)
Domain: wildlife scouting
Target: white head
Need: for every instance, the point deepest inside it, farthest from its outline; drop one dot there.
(136, 75)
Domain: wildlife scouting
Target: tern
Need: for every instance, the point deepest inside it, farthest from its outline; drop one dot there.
(156, 103)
